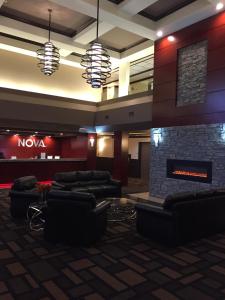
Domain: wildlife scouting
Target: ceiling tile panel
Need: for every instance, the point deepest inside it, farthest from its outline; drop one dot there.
(162, 8)
(35, 12)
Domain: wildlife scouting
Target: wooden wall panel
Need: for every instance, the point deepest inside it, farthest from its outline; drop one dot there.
(165, 111)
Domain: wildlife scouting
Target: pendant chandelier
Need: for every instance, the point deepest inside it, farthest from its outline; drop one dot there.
(96, 62)
(48, 55)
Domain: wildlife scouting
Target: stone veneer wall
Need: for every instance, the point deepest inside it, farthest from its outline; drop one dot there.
(192, 74)
(197, 142)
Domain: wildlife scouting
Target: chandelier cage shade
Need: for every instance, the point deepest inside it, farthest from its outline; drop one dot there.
(48, 55)
(96, 62)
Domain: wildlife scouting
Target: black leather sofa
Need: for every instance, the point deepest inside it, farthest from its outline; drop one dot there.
(184, 217)
(98, 183)
(74, 218)
(23, 192)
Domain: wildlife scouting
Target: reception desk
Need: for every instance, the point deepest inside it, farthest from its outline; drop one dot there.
(43, 169)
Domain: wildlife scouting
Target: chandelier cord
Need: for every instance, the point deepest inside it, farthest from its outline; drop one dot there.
(49, 24)
(97, 19)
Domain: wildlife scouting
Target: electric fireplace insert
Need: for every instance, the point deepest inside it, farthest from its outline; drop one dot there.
(191, 170)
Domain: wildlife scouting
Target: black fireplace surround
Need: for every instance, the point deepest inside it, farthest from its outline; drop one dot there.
(191, 170)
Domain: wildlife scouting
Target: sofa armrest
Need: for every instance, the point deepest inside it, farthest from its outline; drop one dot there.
(115, 182)
(24, 194)
(57, 186)
(102, 206)
(157, 224)
(154, 210)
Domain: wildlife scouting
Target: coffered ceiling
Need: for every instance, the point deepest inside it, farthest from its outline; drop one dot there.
(128, 28)
(35, 12)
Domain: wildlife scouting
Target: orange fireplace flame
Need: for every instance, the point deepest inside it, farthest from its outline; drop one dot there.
(189, 173)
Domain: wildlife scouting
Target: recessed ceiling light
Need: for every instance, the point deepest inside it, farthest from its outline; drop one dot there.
(159, 33)
(7, 130)
(219, 6)
(171, 38)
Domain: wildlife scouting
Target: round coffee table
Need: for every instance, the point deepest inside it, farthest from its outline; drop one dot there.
(121, 209)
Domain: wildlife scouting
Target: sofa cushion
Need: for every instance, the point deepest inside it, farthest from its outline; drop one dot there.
(80, 189)
(92, 182)
(70, 185)
(65, 176)
(96, 190)
(178, 197)
(205, 194)
(24, 183)
(219, 191)
(84, 175)
(100, 175)
(73, 196)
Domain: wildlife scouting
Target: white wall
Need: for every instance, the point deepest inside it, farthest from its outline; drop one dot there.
(133, 146)
(20, 72)
(105, 146)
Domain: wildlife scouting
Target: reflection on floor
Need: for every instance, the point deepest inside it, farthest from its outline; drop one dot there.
(135, 185)
(145, 197)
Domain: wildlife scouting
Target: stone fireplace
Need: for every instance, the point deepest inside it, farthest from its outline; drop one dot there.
(187, 158)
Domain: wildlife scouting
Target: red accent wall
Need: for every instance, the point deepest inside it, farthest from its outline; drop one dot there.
(74, 146)
(165, 112)
(9, 146)
(71, 147)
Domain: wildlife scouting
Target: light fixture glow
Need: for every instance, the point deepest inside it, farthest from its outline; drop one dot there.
(96, 62)
(157, 136)
(48, 55)
(159, 33)
(171, 38)
(219, 6)
(92, 141)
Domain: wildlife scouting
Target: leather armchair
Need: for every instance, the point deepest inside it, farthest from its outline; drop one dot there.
(23, 192)
(74, 218)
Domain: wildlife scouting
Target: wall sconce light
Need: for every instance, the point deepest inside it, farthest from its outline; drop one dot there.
(157, 136)
(92, 141)
(222, 132)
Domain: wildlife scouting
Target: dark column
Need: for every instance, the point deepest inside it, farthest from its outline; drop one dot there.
(91, 156)
(120, 162)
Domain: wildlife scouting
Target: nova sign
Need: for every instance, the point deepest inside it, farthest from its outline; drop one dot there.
(31, 143)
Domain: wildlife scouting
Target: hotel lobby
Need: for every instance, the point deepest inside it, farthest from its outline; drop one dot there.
(112, 142)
